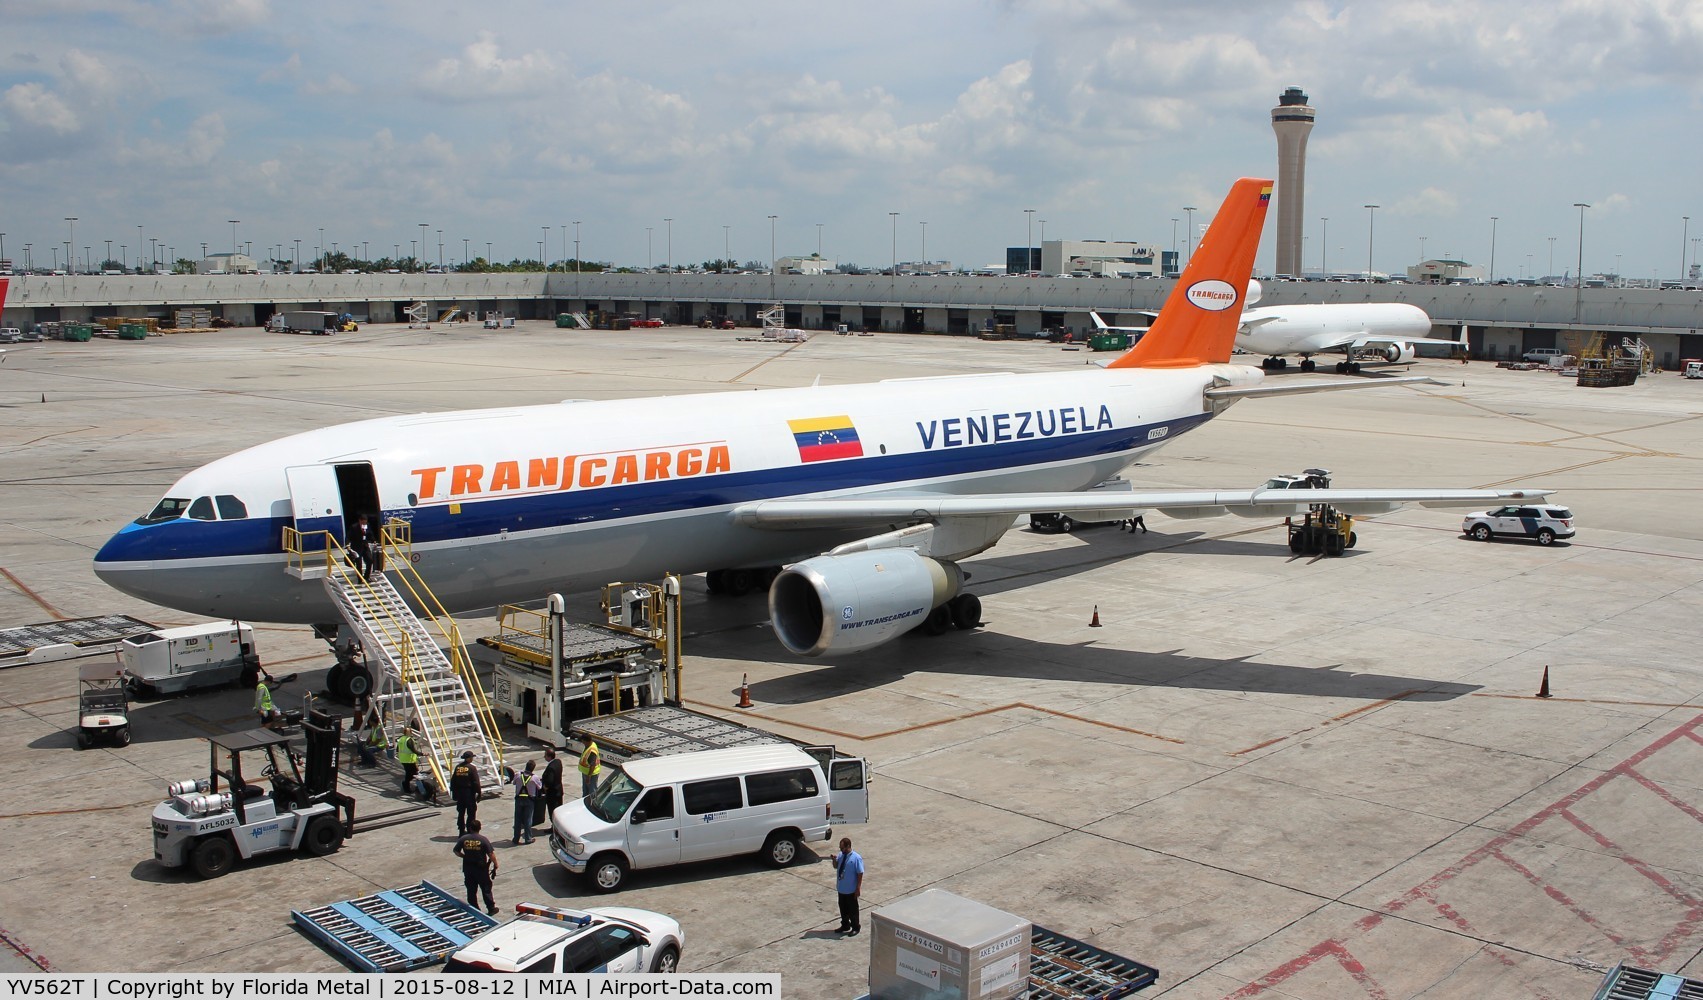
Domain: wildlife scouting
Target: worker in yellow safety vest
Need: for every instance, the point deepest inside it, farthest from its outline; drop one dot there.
(590, 767)
(409, 758)
(263, 702)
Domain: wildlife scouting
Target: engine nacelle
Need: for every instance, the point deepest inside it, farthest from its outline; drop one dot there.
(843, 604)
(1397, 353)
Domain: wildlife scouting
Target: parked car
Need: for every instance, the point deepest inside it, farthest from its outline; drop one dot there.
(612, 939)
(1541, 355)
(1060, 524)
(1544, 522)
(649, 324)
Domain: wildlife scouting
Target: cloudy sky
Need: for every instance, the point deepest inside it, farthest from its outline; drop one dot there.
(491, 120)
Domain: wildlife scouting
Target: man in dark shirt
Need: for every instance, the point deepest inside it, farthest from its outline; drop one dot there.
(464, 789)
(478, 866)
(552, 783)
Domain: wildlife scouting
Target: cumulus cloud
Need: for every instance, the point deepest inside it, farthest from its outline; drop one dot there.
(33, 105)
(197, 146)
(218, 17)
(483, 73)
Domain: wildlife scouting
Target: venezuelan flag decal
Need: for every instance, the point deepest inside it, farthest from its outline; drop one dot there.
(1265, 194)
(823, 438)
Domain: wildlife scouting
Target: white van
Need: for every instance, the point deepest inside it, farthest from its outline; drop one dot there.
(655, 811)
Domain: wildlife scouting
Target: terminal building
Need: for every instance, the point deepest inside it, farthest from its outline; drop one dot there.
(228, 263)
(1101, 259)
(1502, 321)
(1443, 272)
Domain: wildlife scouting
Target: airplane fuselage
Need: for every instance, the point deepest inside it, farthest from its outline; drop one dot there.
(510, 504)
(1320, 328)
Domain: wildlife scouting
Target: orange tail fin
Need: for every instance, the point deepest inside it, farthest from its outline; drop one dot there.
(4, 284)
(1198, 324)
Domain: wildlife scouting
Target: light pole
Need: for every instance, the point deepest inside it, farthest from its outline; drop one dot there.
(576, 251)
(894, 273)
(29, 262)
(1551, 272)
(1371, 214)
(440, 249)
(487, 252)
(670, 223)
(109, 254)
(233, 223)
(726, 242)
(1173, 250)
(772, 257)
(925, 243)
(123, 258)
(1029, 247)
(466, 251)
(422, 252)
(1422, 240)
(1493, 249)
(72, 238)
(319, 249)
(1579, 280)
(138, 248)
(545, 243)
(1685, 235)
(818, 239)
(1188, 234)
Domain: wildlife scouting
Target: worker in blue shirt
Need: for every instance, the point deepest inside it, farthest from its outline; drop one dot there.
(848, 882)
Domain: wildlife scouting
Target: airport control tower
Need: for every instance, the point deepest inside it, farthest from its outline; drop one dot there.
(1292, 119)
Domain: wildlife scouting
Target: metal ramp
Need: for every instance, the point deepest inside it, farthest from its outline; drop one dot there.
(1067, 969)
(1627, 983)
(66, 640)
(580, 321)
(396, 930)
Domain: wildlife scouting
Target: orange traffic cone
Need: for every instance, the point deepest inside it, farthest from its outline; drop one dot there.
(1543, 689)
(1094, 622)
(744, 692)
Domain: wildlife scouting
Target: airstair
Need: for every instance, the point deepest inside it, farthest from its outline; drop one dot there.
(418, 316)
(431, 689)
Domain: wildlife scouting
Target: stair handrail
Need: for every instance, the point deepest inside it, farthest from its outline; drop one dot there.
(397, 535)
(377, 617)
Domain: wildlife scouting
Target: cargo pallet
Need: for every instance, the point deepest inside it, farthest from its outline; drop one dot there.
(1067, 969)
(1627, 983)
(396, 930)
(68, 639)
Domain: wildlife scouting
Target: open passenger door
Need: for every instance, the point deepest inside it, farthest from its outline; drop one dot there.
(316, 503)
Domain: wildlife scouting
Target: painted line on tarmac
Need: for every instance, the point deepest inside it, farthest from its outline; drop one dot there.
(946, 721)
(1345, 716)
(85, 809)
(24, 589)
(23, 951)
(1637, 943)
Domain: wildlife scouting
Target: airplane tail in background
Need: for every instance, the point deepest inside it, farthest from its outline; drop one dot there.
(4, 284)
(1199, 321)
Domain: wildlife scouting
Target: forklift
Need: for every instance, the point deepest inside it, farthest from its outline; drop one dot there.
(209, 824)
(1323, 529)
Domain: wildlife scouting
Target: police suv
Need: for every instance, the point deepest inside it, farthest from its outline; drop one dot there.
(609, 939)
(1544, 522)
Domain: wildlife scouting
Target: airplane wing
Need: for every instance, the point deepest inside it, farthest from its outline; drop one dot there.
(1358, 341)
(1260, 502)
(1101, 324)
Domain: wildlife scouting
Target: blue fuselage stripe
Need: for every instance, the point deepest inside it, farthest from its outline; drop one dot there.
(187, 539)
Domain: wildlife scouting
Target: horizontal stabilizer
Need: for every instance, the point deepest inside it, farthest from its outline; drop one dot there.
(1297, 388)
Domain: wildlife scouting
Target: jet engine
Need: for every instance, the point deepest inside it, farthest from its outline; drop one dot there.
(1396, 353)
(852, 602)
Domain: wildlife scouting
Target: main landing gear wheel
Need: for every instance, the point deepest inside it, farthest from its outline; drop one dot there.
(1307, 365)
(938, 621)
(966, 611)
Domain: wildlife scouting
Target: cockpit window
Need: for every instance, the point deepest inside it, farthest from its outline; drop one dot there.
(169, 509)
(202, 509)
(230, 508)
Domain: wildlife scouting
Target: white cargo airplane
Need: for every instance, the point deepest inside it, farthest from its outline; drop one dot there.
(869, 495)
(1358, 330)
